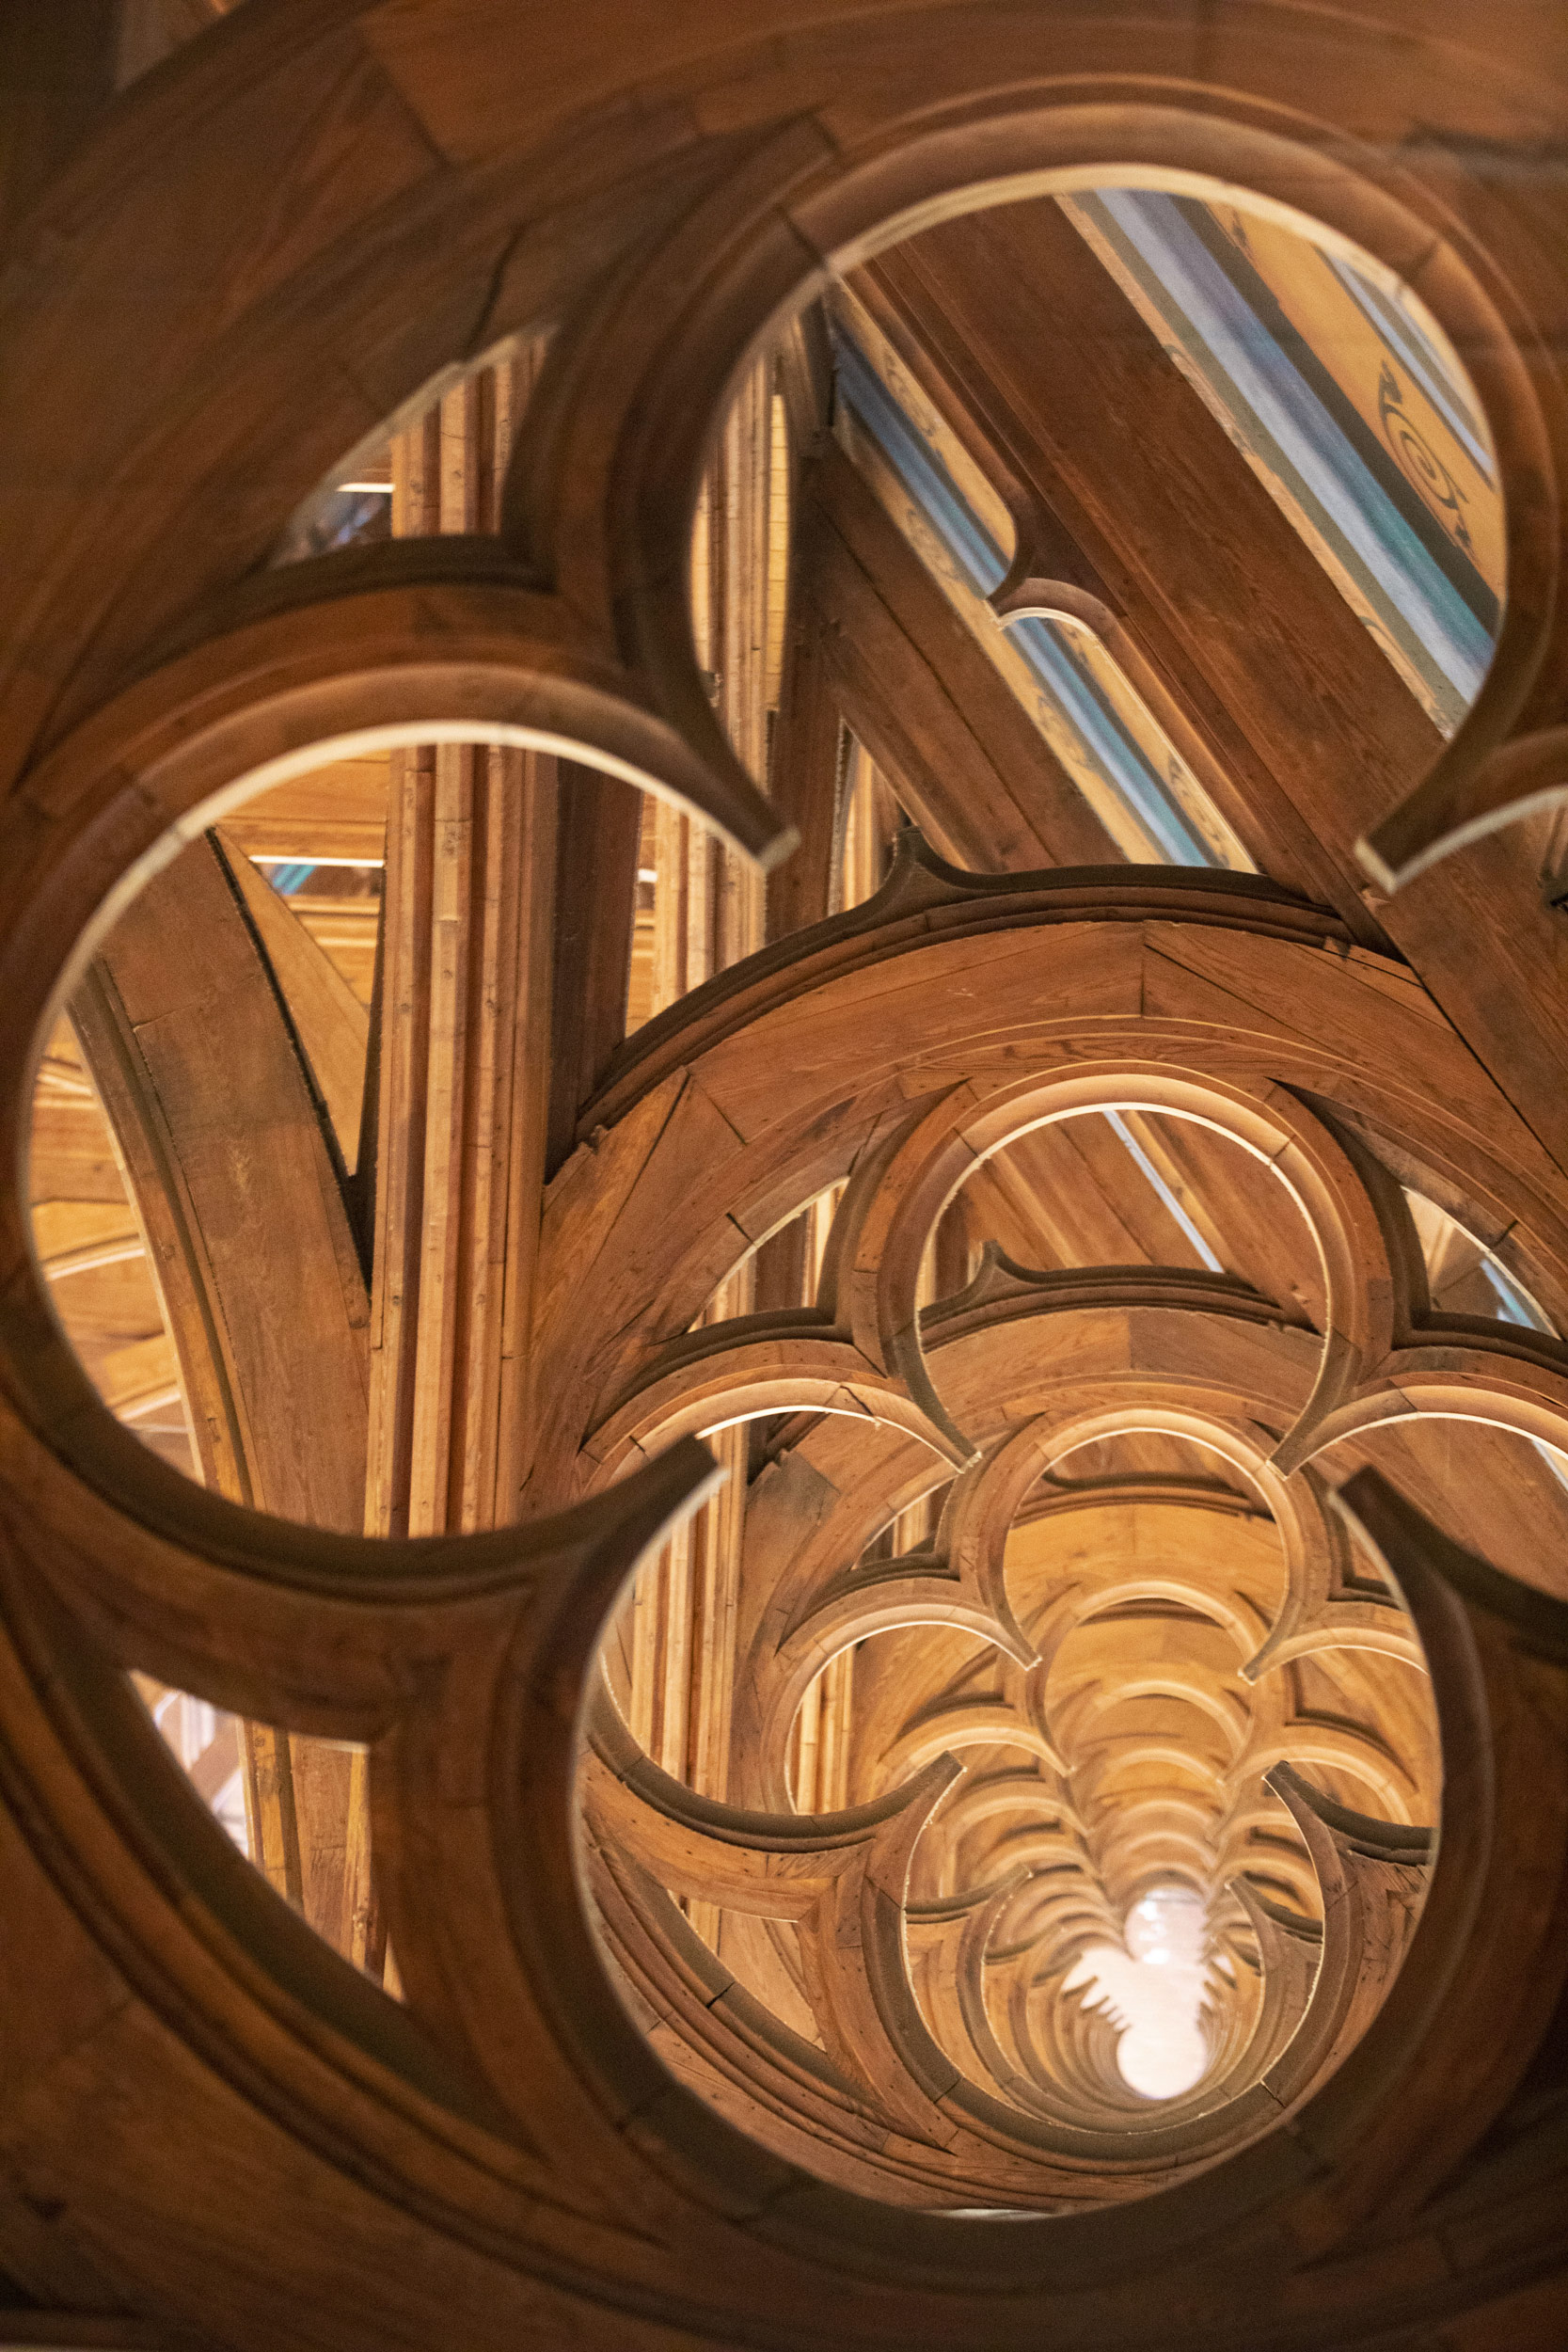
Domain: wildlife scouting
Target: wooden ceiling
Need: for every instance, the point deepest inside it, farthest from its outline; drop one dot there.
(802, 863)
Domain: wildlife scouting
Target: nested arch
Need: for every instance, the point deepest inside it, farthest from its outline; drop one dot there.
(1018, 1337)
(606, 509)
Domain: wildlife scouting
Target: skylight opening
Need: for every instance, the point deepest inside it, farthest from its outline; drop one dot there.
(1154, 1983)
(1104, 734)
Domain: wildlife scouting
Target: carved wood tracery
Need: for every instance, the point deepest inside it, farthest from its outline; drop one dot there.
(192, 2079)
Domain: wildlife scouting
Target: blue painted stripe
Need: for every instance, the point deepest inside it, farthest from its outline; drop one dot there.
(1289, 428)
(1164, 1191)
(1398, 328)
(1513, 1306)
(1045, 649)
(979, 564)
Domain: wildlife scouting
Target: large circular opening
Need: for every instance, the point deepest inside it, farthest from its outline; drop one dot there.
(313, 1140)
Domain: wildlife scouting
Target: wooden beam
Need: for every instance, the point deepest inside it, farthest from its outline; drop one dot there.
(962, 752)
(460, 1150)
(1083, 410)
(598, 843)
(191, 1037)
(805, 774)
(225, 1140)
(1126, 483)
(332, 1025)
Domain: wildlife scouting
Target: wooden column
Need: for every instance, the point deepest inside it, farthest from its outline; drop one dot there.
(674, 1651)
(471, 865)
(460, 1151)
(598, 849)
(872, 816)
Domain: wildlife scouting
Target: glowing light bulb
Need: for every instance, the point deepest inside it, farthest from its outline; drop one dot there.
(1151, 1987)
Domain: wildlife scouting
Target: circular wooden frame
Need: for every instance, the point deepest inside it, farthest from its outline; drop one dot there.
(666, 227)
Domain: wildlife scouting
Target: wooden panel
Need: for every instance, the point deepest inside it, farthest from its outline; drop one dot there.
(964, 756)
(338, 810)
(599, 839)
(332, 1025)
(1041, 347)
(190, 1048)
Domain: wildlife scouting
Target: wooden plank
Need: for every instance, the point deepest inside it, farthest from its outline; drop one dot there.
(1229, 605)
(338, 810)
(967, 761)
(332, 1025)
(186, 1036)
(599, 839)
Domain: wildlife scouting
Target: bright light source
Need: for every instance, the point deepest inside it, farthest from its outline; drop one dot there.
(1154, 1983)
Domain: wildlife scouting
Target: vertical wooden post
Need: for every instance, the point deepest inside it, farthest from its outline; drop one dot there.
(463, 1082)
(271, 1822)
(678, 1633)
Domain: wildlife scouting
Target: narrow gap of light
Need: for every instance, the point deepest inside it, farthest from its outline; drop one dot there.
(138, 1406)
(91, 1266)
(1166, 1195)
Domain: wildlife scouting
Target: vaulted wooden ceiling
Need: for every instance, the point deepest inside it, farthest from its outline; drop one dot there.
(1111, 1248)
